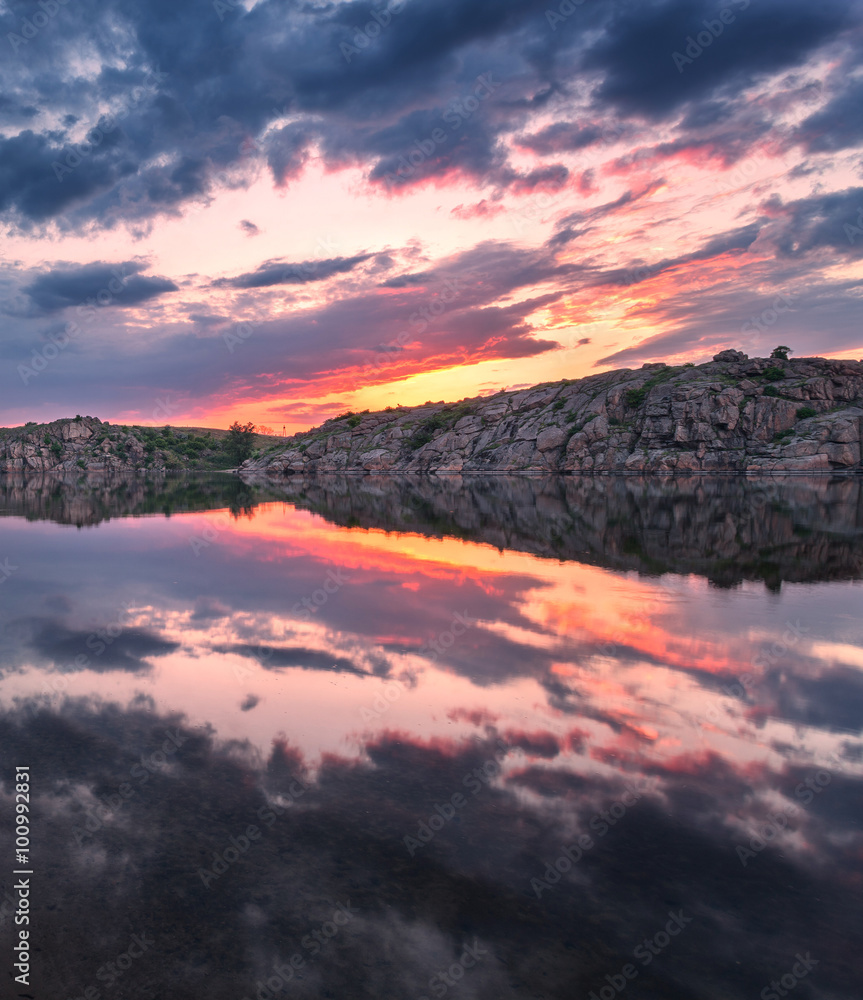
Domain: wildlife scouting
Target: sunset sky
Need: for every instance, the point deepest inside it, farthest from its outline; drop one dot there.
(280, 210)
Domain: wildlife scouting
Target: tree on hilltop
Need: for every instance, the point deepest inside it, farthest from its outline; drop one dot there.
(781, 352)
(240, 441)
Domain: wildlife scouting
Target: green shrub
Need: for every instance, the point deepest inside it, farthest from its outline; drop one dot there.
(354, 420)
(81, 463)
(805, 412)
(425, 432)
(557, 405)
(635, 397)
(613, 421)
(774, 374)
(771, 390)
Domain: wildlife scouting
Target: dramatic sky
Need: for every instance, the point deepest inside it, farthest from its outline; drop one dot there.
(277, 210)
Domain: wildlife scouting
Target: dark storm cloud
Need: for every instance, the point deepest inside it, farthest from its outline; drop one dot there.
(635, 55)
(837, 126)
(30, 187)
(283, 273)
(196, 86)
(73, 285)
(823, 220)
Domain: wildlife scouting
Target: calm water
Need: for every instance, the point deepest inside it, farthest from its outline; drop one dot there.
(404, 737)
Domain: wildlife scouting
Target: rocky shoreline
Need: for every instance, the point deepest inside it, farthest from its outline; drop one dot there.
(733, 414)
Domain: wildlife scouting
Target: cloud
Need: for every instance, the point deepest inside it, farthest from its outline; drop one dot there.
(282, 657)
(70, 649)
(274, 272)
(249, 228)
(118, 285)
(635, 54)
(837, 126)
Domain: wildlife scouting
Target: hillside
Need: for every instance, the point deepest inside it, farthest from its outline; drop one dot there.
(88, 444)
(734, 413)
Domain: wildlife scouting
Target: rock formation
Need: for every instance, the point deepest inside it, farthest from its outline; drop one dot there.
(86, 444)
(733, 414)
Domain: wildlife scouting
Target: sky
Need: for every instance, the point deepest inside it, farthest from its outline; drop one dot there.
(276, 211)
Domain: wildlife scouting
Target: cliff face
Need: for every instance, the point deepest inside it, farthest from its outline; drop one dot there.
(88, 444)
(731, 414)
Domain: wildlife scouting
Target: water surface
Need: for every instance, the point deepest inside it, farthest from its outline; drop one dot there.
(503, 737)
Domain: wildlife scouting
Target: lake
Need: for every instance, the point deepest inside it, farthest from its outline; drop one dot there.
(406, 737)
